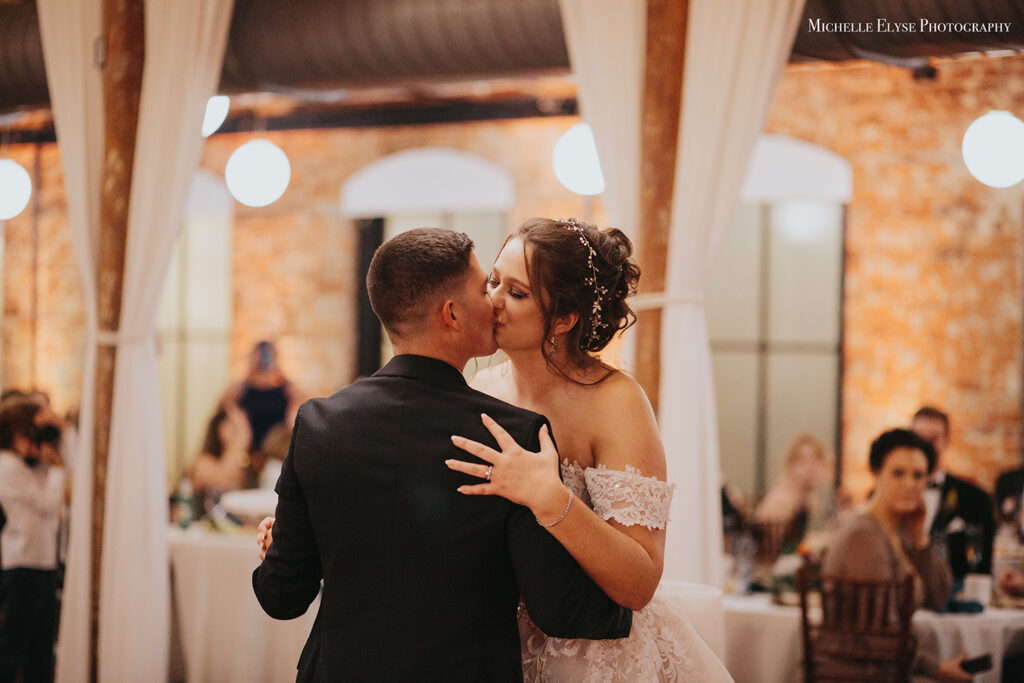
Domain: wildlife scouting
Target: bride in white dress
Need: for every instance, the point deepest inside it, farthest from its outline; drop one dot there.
(559, 291)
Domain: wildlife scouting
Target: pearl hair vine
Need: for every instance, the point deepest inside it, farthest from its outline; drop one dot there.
(597, 324)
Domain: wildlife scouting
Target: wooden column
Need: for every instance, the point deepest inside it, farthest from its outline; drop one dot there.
(122, 87)
(662, 103)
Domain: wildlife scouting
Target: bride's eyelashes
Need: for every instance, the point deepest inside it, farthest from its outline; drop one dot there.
(514, 293)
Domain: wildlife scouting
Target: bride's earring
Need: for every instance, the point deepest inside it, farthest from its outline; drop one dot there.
(551, 343)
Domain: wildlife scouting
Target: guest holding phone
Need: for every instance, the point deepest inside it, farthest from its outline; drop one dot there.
(266, 395)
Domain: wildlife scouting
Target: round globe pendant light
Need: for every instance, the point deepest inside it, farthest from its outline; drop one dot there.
(216, 111)
(15, 189)
(257, 173)
(993, 149)
(575, 161)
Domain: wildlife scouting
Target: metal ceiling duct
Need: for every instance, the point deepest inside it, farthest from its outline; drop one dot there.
(327, 43)
(282, 46)
(304, 44)
(22, 72)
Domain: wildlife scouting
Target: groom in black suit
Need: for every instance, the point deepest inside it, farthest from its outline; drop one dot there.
(420, 583)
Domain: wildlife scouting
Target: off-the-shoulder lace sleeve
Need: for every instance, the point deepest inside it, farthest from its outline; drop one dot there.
(629, 497)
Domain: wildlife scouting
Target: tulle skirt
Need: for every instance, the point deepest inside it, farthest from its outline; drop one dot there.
(663, 645)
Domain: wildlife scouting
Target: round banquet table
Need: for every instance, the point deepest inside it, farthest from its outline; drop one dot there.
(221, 630)
(764, 642)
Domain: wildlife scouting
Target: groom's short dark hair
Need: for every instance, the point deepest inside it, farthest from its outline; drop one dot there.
(411, 270)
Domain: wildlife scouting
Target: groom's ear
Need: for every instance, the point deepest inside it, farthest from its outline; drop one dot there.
(449, 315)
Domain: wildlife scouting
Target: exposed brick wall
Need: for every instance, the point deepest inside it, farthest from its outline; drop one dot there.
(44, 351)
(293, 263)
(933, 295)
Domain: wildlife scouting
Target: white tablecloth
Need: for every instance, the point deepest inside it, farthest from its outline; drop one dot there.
(764, 643)
(225, 636)
(999, 632)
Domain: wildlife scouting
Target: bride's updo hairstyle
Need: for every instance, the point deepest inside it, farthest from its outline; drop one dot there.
(580, 269)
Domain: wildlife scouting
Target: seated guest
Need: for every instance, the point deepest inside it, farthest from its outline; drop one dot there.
(803, 489)
(888, 539)
(223, 464)
(267, 461)
(1009, 495)
(959, 515)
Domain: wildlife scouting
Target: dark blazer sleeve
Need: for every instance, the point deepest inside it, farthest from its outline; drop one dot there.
(288, 579)
(987, 519)
(1008, 486)
(560, 598)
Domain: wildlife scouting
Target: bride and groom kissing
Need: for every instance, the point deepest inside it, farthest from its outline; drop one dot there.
(447, 550)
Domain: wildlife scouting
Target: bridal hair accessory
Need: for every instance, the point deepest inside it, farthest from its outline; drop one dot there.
(490, 468)
(596, 323)
(561, 517)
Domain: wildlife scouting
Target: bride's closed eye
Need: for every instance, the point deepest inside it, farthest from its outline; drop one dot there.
(493, 283)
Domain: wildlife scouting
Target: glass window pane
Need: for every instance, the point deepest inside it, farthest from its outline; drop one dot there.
(803, 391)
(805, 271)
(168, 367)
(732, 297)
(736, 399)
(207, 241)
(401, 222)
(206, 376)
(486, 229)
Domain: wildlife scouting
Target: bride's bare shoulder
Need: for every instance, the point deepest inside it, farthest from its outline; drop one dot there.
(490, 379)
(624, 427)
(620, 391)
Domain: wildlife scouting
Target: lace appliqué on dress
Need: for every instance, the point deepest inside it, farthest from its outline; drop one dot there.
(629, 497)
(662, 645)
(657, 650)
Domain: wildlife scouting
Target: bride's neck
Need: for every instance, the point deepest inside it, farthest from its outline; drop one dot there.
(532, 377)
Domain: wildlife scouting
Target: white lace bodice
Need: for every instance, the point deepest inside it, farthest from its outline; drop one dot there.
(627, 496)
(662, 645)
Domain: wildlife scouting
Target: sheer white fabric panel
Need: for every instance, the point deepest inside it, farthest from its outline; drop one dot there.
(69, 32)
(735, 52)
(184, 50)
(607, 42)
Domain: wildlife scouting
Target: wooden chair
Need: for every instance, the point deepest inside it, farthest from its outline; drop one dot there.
(864, 630)
(775, 538)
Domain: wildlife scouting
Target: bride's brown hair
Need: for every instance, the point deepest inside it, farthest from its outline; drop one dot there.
(575, 280)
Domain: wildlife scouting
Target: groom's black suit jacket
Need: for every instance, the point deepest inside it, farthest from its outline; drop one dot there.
(420, 582)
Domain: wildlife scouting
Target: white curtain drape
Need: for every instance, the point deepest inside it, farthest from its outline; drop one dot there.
(69, 33)
(735, 52)
(185, 42)
(607, 44)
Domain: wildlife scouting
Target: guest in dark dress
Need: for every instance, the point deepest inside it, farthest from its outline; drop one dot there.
(266, 396)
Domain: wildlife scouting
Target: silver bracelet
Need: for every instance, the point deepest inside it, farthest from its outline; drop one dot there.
(561, 517)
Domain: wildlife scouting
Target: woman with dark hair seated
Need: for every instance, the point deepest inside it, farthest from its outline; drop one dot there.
(223, 464)
(888, 540)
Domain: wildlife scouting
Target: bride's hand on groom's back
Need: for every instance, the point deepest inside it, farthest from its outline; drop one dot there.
(265, 536)
(515, 473)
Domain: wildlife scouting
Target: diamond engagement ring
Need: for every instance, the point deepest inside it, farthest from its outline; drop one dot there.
(489, 468)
